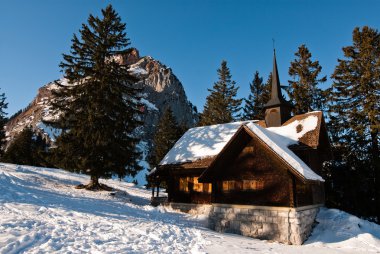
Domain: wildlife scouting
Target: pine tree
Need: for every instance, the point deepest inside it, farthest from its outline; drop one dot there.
(354, 99)
(99, 105)
(221, 105)
(167, 134)
(355, 93)
(27, 148)
(20, 150)
(303, 89)
(3, 120)
(40, 151)
(259, 95)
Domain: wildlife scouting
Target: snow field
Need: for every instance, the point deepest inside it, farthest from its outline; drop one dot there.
(37, 218)
(41, 212)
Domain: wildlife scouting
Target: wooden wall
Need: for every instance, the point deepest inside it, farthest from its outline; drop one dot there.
(270, 180)
(248, 172)
(189, 195)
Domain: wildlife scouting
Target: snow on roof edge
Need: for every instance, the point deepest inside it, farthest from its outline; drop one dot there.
(186, 149)
(284, 152)
(201, 142)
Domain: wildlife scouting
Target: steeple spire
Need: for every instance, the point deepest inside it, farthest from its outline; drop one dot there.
(277, 109)
(276, 94)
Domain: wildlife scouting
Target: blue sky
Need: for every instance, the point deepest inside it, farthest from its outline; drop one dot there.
(192, 37)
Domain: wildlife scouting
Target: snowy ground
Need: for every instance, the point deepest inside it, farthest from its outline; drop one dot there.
(41, 212)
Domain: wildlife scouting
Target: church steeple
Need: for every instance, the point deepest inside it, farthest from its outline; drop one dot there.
(277, 109)
(276, 94)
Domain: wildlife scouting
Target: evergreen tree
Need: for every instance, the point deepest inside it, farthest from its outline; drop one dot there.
(355, 94)
(303, 89)
(27, 148)
(221, 105)
(3, 120)
(98, 106)
(354, 99)
(40, 151)
(268, 84)
(259, 95)
(167, 134)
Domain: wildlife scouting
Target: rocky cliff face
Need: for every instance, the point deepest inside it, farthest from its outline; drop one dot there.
(161, 89)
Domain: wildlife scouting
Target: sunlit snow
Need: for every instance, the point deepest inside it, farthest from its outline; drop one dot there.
(41, 212)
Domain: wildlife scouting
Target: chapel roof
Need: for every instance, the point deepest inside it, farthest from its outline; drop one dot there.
(199, 146)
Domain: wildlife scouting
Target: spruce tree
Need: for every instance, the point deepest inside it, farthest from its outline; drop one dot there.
(99, 104)
(3, 120)
(303, 89)
(20, 150)
(167, 134)
(40, 151)
(27, 148)
(355, 93)
(354, 108)
(259, 95)
(221, 106)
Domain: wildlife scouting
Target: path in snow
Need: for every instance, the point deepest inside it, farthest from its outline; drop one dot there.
(41, 212)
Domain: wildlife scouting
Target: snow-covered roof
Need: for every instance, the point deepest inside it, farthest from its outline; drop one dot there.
(201, 142)
(208, 141)
(289, 132)
(279, 144)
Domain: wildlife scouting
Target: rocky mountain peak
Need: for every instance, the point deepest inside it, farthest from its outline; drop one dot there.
(161, 89)
(129, 58)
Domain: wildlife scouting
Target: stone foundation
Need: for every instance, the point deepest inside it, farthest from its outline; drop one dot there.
(281, 224)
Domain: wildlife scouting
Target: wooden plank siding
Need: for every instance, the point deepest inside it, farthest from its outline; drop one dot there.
(248, 172)
(254, 175)
(191, 194)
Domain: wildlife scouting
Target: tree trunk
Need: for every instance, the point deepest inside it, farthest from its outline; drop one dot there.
(94, 180)
(94, 183)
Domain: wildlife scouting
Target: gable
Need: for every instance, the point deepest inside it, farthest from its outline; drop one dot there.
(311, 137)
(246, 157)
(275, 151)
(279, 145)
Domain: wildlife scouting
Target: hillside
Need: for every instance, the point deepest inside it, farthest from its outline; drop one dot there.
(161, 89)
(41, 212)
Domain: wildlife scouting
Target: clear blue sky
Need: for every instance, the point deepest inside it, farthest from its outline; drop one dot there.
(192, 37)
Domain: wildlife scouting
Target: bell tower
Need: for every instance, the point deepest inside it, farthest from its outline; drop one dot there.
(277, 109)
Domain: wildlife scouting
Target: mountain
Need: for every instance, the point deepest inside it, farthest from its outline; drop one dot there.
(161, 89)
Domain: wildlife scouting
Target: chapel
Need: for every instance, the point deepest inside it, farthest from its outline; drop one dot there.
(244, 175)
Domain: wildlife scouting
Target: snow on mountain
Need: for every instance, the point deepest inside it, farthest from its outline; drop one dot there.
(161, 89)
(42, 212)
